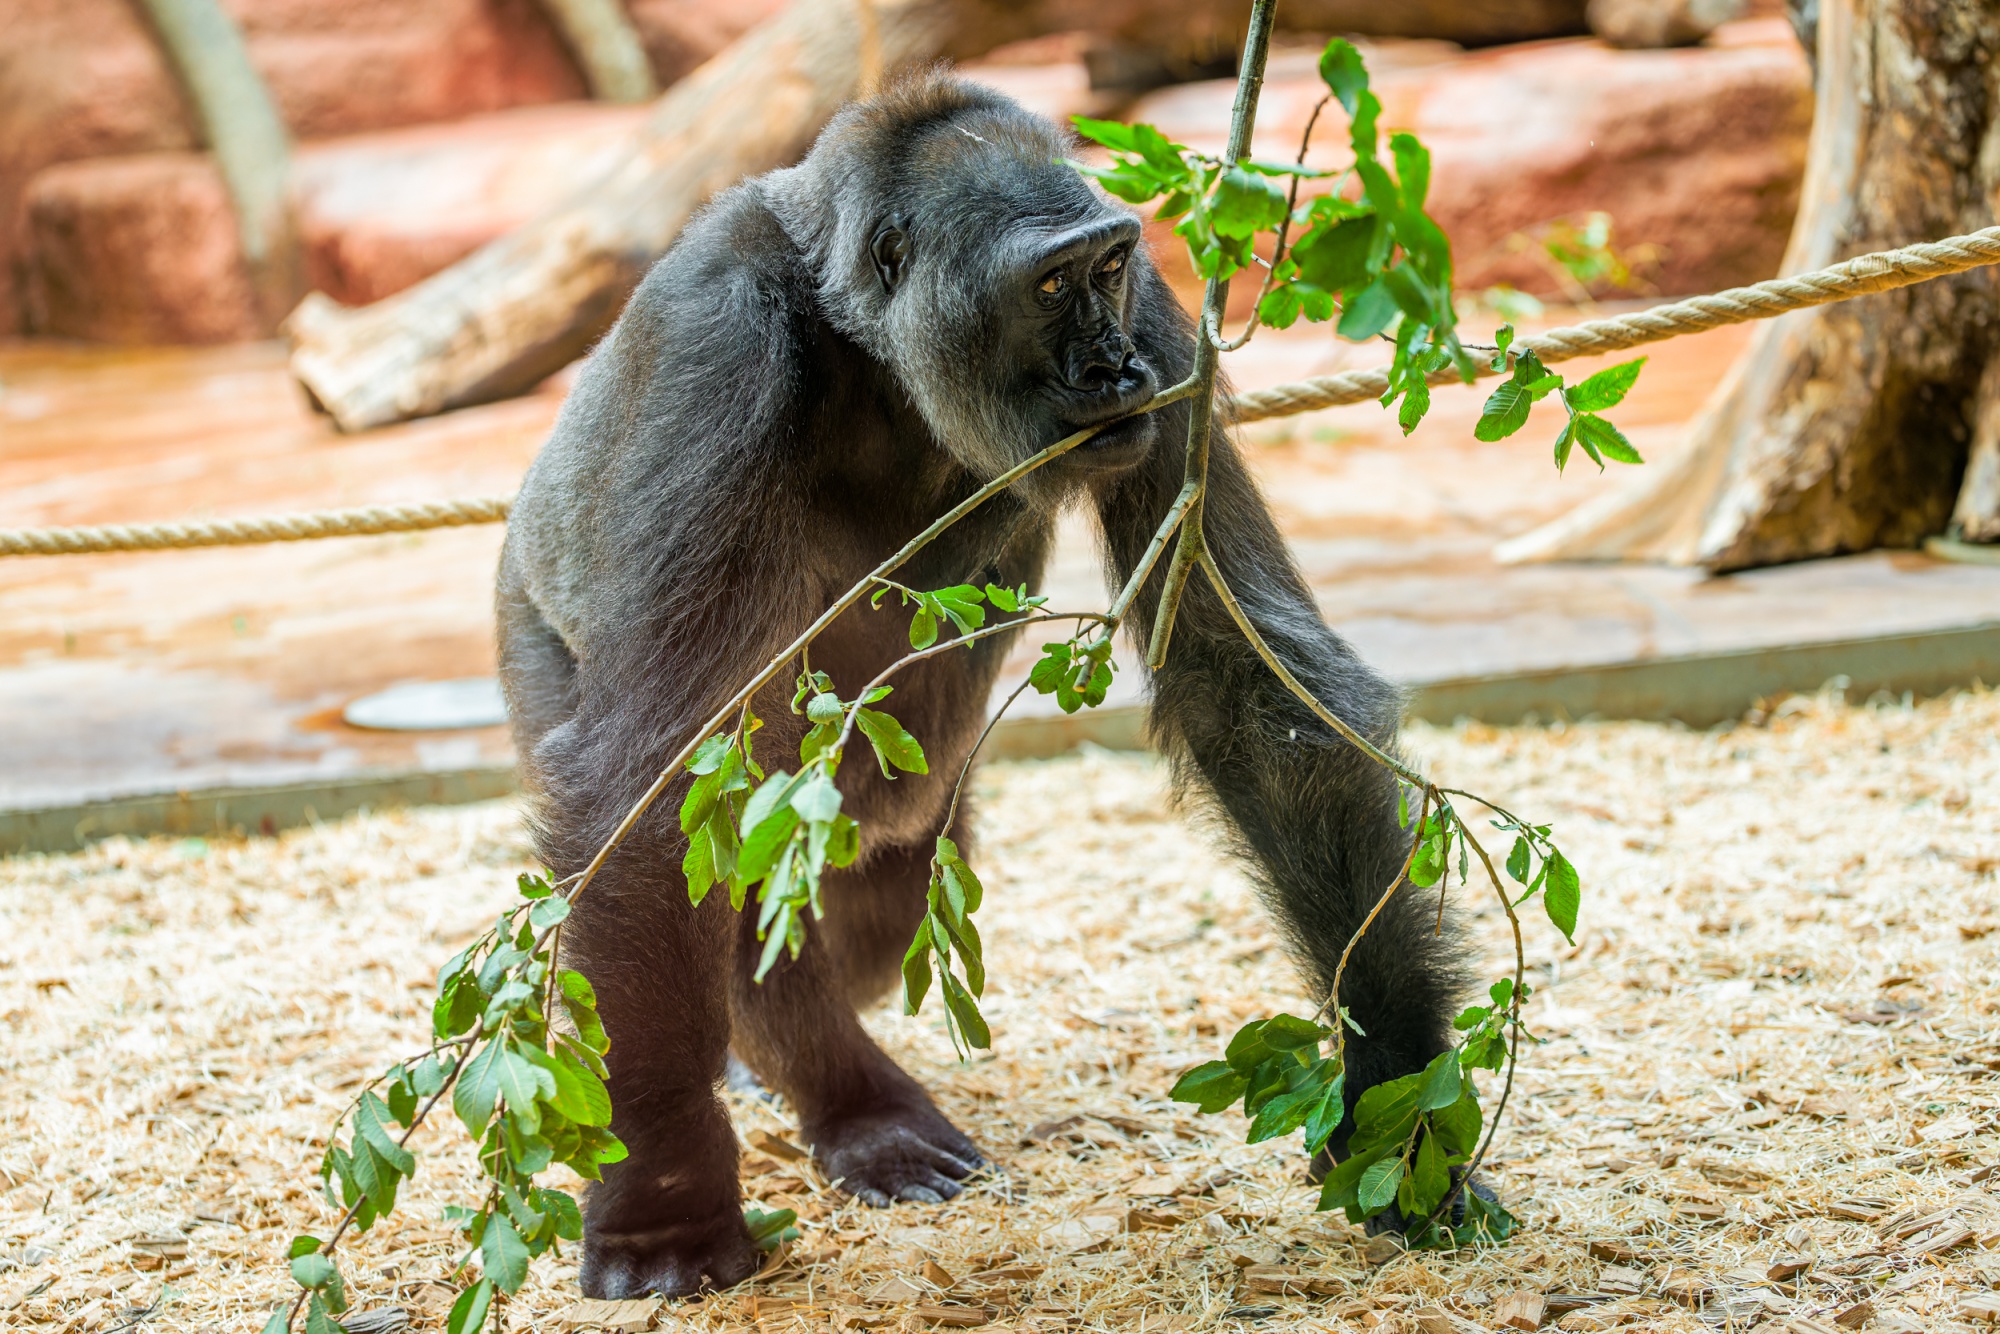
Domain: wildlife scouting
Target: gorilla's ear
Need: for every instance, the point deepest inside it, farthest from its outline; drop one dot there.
(890, 248)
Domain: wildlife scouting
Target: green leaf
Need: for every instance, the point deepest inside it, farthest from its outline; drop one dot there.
(1111, 133)
(1504, 337)
(892, 744)
(547, 913)
(1365, 313)
(1606, 389)
(1506, 412)
(581, 1002)
(559, 1205)
(313, 1271)
(961, 604)
(1328, 1115)
(1346, 75)
(1288, 1032)
(1603, 441)
(1564, 442)
(817, 799)
(478, 1090)
(1517, 861)
(1457, 1127)
(1286, 1112)
(1003, 598)
(966, 1011)
(1563, 895)
(1212, 1086)
(468, 1313)
(319, 1317)
(710, 754)
(1441, 1083)
(917, 968)
(923, 628)
(1337, 257)
(534, 886)
(280, 1321)
(1245, 204)
(772, 1229)
(1379, 1184)
(1051, 669)
(502, 1255)
(1430, 1177)
(368, 1124)
(580, 1095)
(1280, 307)
(304, 1245)
(1413, 169)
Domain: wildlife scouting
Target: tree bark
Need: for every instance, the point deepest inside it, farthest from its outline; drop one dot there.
(241, 127)
(1846, 427)
(607, 49)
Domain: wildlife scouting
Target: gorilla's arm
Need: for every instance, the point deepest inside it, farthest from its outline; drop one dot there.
(1316, 815)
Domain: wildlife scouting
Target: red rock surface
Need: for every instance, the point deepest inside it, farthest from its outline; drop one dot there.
(142, 249)
(1697, 151)
(84, 78)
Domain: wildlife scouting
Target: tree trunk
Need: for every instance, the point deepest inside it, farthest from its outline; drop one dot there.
(252, 149)
(1845, 427)
(607, 49)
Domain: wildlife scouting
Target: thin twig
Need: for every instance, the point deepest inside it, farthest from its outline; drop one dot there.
(1333, 996)
(1213, 327)
(1292, 683)
(770, 669)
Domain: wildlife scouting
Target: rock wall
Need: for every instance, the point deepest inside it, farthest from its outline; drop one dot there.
(84, 78)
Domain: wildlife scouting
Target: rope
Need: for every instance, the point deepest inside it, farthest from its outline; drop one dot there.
(1880, 272)
(244, 532)
(1861, 276)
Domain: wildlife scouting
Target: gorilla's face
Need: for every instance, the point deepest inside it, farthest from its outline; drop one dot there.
(962, 251)
(1062, 323)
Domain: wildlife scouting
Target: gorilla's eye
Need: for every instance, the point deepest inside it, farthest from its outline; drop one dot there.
(1113, 265)
(1052, 285)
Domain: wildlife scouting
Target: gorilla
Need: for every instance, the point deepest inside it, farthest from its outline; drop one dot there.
(828, 358)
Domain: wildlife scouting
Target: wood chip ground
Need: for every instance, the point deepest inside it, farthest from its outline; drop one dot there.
(1767, 1098)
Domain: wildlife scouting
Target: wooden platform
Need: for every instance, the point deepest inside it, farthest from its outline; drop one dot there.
(222, 673)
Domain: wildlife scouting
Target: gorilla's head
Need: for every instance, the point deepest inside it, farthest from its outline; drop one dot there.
(952, 242)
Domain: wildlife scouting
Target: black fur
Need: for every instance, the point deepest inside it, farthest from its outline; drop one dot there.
(829, 358)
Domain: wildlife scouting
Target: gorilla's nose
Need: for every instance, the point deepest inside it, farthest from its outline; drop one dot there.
(1099, 365)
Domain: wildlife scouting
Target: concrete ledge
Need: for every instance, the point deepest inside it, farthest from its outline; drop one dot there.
(1699, 690)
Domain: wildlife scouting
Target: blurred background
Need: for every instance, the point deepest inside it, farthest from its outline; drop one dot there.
(275, 255)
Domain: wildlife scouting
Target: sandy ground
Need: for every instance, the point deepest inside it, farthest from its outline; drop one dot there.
(1777, 1037)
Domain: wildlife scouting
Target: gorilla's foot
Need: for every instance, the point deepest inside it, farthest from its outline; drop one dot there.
(885, 1154)
(673, 1261)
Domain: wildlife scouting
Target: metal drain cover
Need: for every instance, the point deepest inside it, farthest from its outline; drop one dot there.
(430, 706)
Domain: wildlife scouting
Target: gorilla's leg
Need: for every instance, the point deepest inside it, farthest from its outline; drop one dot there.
(669, 1218)
(870, 1125)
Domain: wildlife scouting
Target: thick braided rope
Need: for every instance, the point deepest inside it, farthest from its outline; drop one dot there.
(244, 532)
(1879, 272)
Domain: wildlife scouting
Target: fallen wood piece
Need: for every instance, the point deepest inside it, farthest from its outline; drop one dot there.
(626, 1317)
(523, 307)
(1520, 1310)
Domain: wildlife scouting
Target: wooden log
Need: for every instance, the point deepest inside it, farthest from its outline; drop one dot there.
(241, 126)
(1643, 24)
(606, 47)
(1845, 427)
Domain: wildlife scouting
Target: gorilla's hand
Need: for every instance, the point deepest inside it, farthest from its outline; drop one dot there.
(673, 1261)
(884, 1154)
